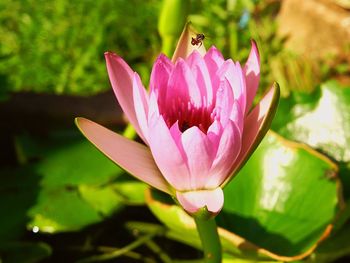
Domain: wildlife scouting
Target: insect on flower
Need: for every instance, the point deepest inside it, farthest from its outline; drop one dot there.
(198, 40)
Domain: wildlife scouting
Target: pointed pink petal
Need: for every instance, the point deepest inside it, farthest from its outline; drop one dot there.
(224, 102)
(176, 134)
(160, 77)
(182, 85)
(237, 115)
(234, 74)
(121, 78)
(252, 74)
(192, 201)
(226, 155)
(167, 155)
(184, 47)
(134, 157)
(199, 156)
(214, 134)
(153, 108)
(215, 128)
(201, 74)
(141, 106)
(256, 124)
(214, 60)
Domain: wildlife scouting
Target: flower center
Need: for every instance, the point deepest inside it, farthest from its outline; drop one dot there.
(188, 115)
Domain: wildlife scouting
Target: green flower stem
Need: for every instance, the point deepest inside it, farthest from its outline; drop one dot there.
(208, 234)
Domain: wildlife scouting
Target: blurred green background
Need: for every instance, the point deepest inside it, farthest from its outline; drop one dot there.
(62, 201)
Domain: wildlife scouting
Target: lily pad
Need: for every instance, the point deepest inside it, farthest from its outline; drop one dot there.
(284, 199)
(131, 191)
(79, 186)
(61, 210)
(320, 119)
(280, 205)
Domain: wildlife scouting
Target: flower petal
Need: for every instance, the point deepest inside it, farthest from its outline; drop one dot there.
(199, 156)
(256, 124)
(168, 156)
(252, 74)
(224, 102)
(184, 47)
(134, 157)
(192, 201)
(234, 74)
(160, 77)
(182, 86)
(201, 74)
(214, 60)
(141, 106)
(237, 115)
(227, 153)
(121, 78)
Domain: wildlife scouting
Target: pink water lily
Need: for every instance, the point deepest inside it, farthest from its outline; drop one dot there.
(194, 121)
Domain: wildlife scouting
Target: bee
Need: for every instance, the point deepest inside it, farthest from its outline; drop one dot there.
(198, 40)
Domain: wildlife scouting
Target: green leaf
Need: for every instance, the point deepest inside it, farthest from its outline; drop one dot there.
(77, 163)
(279, 206)
(61, 210)
(283, 199)
(66, 158)
(78, 184)
(103, 199)
(321, 119)
(131, 191)
(24, 252)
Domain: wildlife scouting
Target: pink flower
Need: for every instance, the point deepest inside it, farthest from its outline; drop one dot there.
(195, 122)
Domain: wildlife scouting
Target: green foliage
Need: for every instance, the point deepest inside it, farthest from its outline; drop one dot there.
(71, 185)
(58, 46)
(320, 119)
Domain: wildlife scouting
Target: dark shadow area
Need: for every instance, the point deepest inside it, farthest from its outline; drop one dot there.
(73, 246)
(18, 193)
(344, 175)
(41, 112)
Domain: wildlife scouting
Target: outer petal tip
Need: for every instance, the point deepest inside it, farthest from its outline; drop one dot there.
(202, 203)
(109, 54)
(252, 73)
(255, 49)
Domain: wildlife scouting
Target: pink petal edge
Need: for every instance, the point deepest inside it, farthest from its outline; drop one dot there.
(192, 201)
(167, 154)
(121, 79)
(141, 102)
(134, 157)
(199, 156)
(256, 124)
(252, 74)
(227, 153)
